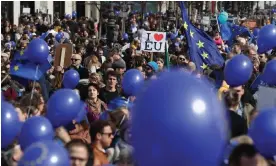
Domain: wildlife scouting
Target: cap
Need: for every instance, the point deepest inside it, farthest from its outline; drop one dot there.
(119, 64)
(153, 65)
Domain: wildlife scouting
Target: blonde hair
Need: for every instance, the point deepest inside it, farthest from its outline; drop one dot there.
(94, 61)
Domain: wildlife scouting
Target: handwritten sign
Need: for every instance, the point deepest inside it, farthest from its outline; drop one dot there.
(63, 55)
(153, 41)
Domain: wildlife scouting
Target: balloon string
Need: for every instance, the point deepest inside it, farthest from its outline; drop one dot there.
(32, 92)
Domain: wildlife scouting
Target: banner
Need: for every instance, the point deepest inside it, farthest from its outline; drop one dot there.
(153, 41)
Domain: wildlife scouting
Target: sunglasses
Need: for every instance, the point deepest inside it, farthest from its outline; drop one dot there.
(182, 59)
(74, 59)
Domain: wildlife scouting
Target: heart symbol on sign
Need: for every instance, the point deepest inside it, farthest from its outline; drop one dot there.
(158, 37)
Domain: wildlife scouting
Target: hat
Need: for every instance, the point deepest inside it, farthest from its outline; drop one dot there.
(153, 65)
(119, 64)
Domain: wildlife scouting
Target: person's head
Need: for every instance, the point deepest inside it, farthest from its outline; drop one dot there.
(4, 57)
(240, 90)
(115, 54)
(95, 78)
(37, 105)
(80, 153)
(101, 133)
(21, 111)
(100, 51)
(119, 66)
(37, 87)
(245, 155)
(13, 155)
(263, 58)
(93, 91)
(142, 70)
(160, 63)
(8, 38)
(118, 116)
(230, 55)
(112, 80)
(217, 36)
(251, 52)
(182, 60)
(231, 99)
(236, 49)
(76, 60)
(191, 66)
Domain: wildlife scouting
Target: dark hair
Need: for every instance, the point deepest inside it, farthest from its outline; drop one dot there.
(97, 127)
(35, 102)
(79, 142)
(96, 86)
(240, 151)
(231, 98)
(111, 73)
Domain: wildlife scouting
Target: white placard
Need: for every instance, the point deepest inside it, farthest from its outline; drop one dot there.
(205, 20)
(266, 97)
(26, 10)
(153, 41)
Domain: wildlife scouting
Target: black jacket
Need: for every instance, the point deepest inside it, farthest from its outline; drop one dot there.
(238, 125)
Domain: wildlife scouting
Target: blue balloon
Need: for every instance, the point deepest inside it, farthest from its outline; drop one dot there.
(74, 14)
(119, 102)
(266, 39)
(71, 79)
(68, 16)
(35, 129)
(45, 153)
(132, 82)
(58, 37)
(62, 107)
(37, 51)
(256, 32)
(10, 124)
(82, 113)
(223, 17)
(125, 36)
(117, 12)
(238, 70)
(269, 74)
(263, 132)
(172, 116)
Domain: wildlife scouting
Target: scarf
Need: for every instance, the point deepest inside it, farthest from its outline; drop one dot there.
(94, 109)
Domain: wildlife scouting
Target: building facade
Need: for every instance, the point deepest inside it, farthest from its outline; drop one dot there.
(9, 9)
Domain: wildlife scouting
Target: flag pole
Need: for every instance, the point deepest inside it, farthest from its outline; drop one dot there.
(216, 13)
(167, 56)
(32, 93)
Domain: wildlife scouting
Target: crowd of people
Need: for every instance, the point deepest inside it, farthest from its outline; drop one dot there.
(103, 136)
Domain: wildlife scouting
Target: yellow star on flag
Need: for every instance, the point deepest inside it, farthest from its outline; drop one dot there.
(185, 25)
(15, 68)
(204, 66)
(21, 52)
(191, 33)
(200, 44)
(204, 55)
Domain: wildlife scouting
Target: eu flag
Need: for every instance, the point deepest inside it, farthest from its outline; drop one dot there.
(239, 31)
(202, 49)
(28, 70)
(225, 31)
(20, 55)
